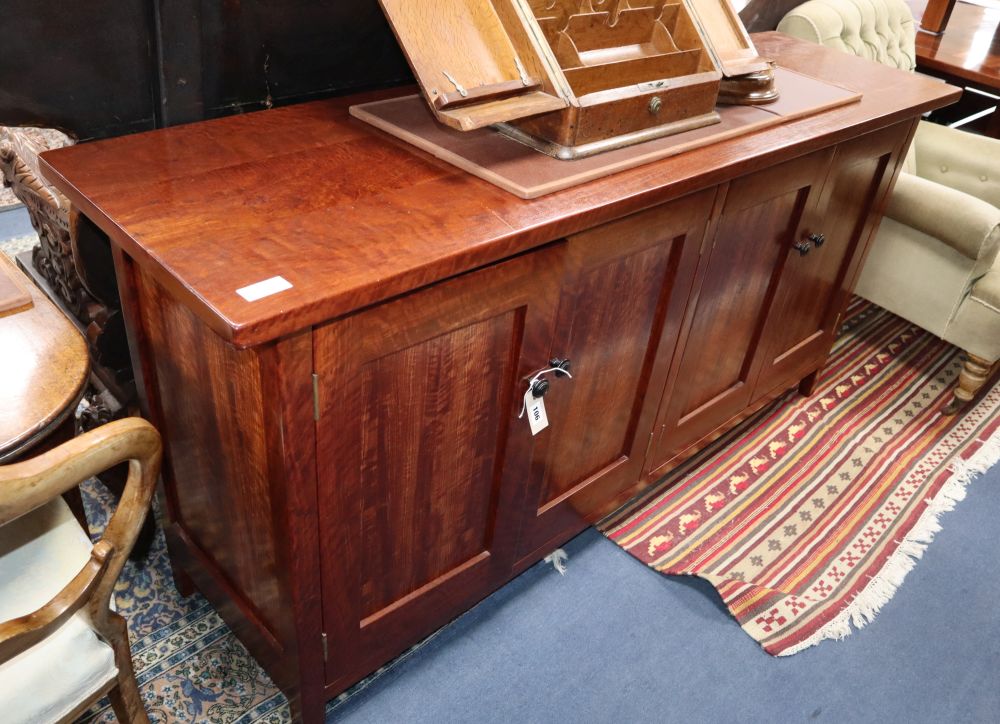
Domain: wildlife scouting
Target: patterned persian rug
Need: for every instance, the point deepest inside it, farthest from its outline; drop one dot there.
(808, 516)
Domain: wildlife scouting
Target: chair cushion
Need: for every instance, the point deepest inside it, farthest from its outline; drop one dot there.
(880, 30)
(50, 680)
(40, 553)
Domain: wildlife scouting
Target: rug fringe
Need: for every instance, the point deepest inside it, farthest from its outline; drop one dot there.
(883, 586)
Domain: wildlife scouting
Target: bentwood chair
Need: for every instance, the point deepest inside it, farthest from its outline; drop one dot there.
(62, 647)
(934, 261)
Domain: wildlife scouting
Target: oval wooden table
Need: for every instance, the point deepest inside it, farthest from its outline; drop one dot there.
(44, 369)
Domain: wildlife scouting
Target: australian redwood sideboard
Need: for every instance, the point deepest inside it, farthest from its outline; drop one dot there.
(346, 468)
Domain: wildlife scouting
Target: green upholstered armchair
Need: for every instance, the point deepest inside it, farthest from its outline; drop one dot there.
(934, 261)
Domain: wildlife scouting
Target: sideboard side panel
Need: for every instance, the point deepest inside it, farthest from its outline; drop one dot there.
(211, 415)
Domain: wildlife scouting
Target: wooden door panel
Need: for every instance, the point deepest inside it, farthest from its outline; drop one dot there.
(714, 376)
(409, 539)
(814, 288)
(422, 460)
(733, 297)
(619, 311)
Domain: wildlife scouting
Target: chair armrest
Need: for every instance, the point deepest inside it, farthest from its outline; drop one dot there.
(968, 225)
(964, 161)
(20, 634)
(30, 484)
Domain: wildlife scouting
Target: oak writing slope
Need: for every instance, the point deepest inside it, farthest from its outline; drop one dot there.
(575, 77)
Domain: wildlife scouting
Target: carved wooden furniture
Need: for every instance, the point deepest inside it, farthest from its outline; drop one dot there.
(72, 259)
(62, 647)
(337, 361)
(572, 78)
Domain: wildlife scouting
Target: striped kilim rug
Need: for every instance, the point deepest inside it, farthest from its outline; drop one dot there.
(808, 516)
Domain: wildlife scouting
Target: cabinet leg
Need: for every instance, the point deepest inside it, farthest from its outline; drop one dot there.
(182, 581)
(974, 374)
(308, 708)
(808, 384)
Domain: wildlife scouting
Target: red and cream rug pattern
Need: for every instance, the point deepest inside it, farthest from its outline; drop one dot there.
(808, 516)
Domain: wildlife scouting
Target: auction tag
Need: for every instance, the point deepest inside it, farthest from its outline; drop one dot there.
(535, 407)
(264, 289)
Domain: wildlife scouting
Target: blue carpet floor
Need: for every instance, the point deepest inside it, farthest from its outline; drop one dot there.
(612, 641)
(14, 222)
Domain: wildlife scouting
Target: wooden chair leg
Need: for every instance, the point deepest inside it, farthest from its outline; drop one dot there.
(975, 372)
(125, 698)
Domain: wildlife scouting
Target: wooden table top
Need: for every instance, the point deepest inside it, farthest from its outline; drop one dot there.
(350, 216)
(43, 370)
(969, 48)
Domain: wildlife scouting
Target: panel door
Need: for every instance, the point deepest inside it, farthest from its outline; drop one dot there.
(420, 454)
(817, 280)
(714, 377)
(620, 309)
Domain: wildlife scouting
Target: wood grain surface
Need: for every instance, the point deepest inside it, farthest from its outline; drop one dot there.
(968, 49)
(44, 367)
(14, 295)
(351, 217)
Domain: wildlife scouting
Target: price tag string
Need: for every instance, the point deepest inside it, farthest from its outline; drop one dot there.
(535, 379)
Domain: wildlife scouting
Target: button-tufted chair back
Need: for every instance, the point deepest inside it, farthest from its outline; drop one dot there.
(880, 30)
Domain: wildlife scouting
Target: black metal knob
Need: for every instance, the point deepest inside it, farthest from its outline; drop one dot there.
(803, 247)
(539, 387)
(562, 366)
(817, 239)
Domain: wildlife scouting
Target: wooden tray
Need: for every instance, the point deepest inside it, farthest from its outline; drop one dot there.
(529, 174)
(14, 296)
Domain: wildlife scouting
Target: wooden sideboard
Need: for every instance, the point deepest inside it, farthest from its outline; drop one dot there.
(345, 468)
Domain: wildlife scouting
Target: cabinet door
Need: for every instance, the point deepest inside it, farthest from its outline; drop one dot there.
(762, 215)
(620, 308)
(421, 456)
(814, 287)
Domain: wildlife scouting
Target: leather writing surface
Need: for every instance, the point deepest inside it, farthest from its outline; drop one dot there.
(530, 174)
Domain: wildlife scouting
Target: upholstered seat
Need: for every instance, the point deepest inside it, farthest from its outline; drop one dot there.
(934, 261)
(880, 31)
(40, 553)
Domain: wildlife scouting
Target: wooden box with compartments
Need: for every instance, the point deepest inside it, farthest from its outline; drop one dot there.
(573, 78)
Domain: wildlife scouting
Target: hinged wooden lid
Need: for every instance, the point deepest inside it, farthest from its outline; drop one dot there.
(474, 59)
(726, 37)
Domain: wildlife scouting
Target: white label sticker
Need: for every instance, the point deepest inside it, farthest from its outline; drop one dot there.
(264, 289)
(535, 408)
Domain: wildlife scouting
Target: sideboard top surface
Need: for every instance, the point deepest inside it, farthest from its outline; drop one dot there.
(350, 216)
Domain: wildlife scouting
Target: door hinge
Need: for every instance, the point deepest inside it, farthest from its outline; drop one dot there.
(326, 650)
(316, 400)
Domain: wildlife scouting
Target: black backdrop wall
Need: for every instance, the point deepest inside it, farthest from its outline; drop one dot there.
(106, 67)
(98, 68)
